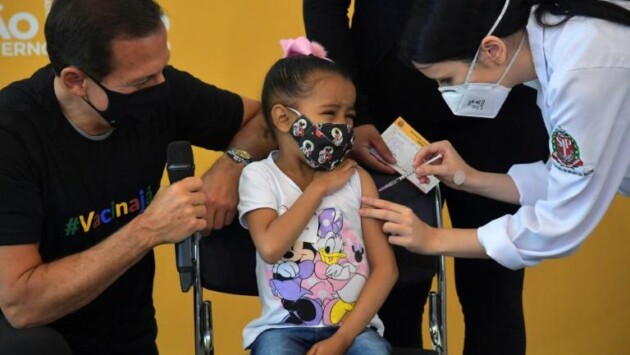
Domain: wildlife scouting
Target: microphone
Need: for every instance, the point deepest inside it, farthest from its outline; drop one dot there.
(180, 165)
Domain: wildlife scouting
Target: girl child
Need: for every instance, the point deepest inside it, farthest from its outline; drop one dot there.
(323, 272)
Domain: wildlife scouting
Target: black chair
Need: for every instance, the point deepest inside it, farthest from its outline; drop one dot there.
(31, 341)
(231, 248)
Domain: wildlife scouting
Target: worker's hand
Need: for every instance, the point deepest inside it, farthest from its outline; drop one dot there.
(401, 224)
(451, 169)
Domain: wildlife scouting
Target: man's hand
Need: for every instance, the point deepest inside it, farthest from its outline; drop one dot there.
(34, 292)
(220, 184)
(366, 137)
(175, 213)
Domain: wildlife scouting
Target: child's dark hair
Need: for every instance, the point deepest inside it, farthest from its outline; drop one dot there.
(290, 79)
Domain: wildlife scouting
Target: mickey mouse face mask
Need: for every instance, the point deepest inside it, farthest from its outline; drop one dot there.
(324, 145)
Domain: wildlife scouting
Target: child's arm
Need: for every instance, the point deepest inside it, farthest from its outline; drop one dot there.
(383, 276)
(274, 234)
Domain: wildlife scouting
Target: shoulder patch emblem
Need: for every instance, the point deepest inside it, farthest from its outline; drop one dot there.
(566, 153)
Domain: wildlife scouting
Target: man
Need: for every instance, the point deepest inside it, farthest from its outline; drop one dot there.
(82, 149)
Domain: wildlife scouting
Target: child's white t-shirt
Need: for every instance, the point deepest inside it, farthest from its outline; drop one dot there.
(317, 282)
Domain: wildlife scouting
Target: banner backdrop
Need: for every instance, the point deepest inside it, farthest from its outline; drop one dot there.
(22, 44)
(576, 305)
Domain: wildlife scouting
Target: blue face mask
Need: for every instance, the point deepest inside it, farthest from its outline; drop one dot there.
(324, 145)
(136, 107)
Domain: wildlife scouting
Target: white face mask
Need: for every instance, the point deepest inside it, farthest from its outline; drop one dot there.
(479, 99)
(475, 99)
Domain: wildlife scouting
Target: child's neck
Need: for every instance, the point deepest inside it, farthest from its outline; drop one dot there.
(296, 169)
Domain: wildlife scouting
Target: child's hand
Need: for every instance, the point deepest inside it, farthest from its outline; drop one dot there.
(335, 345)
(331, 181)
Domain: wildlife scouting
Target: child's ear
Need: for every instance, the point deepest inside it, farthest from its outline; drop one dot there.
(282, 118)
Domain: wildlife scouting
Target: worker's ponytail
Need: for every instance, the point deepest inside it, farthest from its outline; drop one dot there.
(567, 9)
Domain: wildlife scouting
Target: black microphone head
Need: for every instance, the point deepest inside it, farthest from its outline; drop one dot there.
(179, 161)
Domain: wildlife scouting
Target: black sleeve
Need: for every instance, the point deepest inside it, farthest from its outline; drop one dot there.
(21, 211)
(327, 22)
(201, 113)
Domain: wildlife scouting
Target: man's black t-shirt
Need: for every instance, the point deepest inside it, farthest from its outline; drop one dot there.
(68, 191)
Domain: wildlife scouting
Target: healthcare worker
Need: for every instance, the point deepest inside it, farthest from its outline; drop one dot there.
(577, 55)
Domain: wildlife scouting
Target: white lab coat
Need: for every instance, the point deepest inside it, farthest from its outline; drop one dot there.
(583, 70)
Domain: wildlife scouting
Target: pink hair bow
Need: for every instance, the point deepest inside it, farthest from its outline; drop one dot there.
(301, 46)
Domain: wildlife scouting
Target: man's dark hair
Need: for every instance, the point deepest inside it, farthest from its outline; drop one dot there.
(80, 32)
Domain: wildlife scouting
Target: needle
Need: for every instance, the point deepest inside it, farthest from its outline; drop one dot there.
(403, 177)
